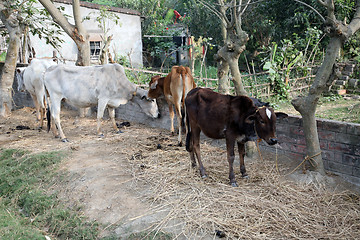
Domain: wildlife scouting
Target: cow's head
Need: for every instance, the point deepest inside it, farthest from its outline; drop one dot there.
(155, 89)
(19, 73)
(148, 105)
(265, 123)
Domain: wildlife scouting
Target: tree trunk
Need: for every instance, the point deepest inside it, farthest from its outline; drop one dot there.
(236, 76)
(78, 33)
(7, 77)
(222, 73)
(307, 105)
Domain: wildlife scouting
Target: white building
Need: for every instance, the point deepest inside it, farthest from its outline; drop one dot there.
(126, 36)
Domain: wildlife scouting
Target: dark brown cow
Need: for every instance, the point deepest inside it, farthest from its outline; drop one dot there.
(174, 87)
(234, 118)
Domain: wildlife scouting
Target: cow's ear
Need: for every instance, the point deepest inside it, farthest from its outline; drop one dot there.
(280, 115)
(154, 84)
(250, 119)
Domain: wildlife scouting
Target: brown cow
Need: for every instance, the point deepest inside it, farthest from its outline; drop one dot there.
(174, 87)
(234, 118)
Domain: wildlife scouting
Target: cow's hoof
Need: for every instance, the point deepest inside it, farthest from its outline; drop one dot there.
(204, 176)
(245, 176)
(64, 140)
(234, 184)
(180, 144)
(118, 132)
(101, 135)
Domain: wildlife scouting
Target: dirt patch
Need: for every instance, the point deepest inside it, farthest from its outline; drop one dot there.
(140, 180)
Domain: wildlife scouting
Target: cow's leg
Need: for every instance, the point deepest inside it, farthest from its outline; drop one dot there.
(171, 113)
(100, 114)
(179, 117)
(241, 149)
(112, 118)
(196, 148)
(42, 115)
(37, 106)
(55, 113)
(230, 143)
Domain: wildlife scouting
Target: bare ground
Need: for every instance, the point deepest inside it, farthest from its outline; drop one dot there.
(121, 180)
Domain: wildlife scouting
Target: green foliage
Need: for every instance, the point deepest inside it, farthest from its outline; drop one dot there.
(3, 56)
(24, 200)
(139, 78)
(273, 66)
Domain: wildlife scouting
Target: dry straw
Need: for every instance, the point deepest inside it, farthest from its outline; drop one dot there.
(266, 206)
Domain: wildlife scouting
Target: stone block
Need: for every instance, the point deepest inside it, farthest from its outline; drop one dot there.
(353, 129)
(351, 160)
(342, 78)
(340, 168)
(327, 155)
(341, 82)
(347, 138)
(356, 172)
(353, 83)
(325, 134)
(335, 126)
(341, 148)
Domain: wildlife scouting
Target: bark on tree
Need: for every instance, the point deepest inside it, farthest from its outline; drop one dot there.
(12, 24)
(104, 55)
(234, 44)
(339, 33)
(77, 32)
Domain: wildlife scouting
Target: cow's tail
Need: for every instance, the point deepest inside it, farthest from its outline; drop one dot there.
(182, 71)
(48, 117)
(48, 113)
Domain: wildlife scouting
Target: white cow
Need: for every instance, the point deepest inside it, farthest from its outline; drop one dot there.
(102, 85)
(31, 79)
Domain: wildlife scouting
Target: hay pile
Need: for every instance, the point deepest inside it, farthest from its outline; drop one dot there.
(263, 207)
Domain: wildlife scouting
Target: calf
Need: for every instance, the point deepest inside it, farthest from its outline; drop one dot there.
(234, 118)
(174, 87)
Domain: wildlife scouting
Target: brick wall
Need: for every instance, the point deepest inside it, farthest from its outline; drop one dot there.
(339, 143)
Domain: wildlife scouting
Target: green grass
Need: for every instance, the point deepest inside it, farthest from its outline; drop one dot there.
(27, 211)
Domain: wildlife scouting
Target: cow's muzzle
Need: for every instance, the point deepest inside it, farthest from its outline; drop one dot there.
(272, 141)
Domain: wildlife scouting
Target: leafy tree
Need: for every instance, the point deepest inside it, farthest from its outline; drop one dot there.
(339, 32)
(12, 20)
(19, 17)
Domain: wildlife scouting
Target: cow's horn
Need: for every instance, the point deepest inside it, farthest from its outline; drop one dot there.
(153, 85)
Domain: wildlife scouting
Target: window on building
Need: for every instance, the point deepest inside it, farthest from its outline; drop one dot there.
(95, 49)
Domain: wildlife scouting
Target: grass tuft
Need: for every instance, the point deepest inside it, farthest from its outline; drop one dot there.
(26, 210)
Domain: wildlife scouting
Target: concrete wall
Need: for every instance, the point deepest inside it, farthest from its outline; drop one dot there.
(126, 36)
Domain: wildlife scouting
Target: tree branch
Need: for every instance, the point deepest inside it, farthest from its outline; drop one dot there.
(58, 17)
(355, 22)
(322, 18)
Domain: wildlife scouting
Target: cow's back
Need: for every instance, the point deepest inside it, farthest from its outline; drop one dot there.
(209, 110)
(84, 86)
(33, 74)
